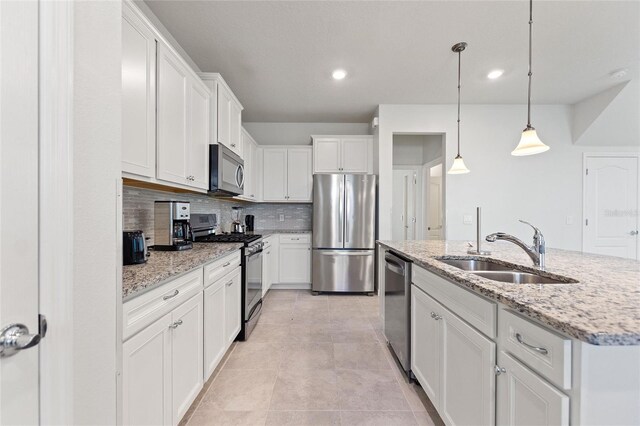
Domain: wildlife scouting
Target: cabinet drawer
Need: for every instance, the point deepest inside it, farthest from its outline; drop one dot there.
(477, 311)
(543, 350)
(145, 309)
(221, 267)
(295, 239)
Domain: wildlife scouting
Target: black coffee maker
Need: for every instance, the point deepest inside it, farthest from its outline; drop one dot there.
(249, 220)
(134, 248)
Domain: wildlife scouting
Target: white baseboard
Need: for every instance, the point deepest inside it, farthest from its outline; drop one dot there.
(288, 286)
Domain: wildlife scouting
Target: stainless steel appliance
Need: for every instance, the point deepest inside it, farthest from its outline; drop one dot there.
(172, 230)
(203, 225)
(397, 308)
(344, 224)
(226, 171)
(251, 272)
(237, 225)
(134, 248)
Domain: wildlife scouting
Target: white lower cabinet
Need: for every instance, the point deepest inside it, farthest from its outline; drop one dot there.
(524, 398)
(425, 355)
(232, 307)
(215, 342)
(295, 259)
(146, 376)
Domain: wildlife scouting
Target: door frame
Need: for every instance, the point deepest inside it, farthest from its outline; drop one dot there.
(417, 208)
(56, 63)
(587, 155)
(426, 176)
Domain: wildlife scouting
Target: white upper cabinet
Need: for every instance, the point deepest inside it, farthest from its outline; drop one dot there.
(287, 174)
(183, 128)
(252, 167)
(138, 95)
(226, 113)
(343, 154)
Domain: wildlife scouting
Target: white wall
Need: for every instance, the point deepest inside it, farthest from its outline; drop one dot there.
(300, 133)
(416, 149)
(543, 189)
(96, 162)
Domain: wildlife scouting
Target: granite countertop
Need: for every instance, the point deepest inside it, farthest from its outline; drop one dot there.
(162, 265)
(267, 232)
(603, 308)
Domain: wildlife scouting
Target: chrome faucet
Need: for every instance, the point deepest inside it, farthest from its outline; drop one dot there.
(535, 252)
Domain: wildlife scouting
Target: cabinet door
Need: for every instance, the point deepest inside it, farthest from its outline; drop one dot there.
(524, 398)
(186, 355)
(215, 342)
(224, 116)
(275, 174)
(266, 268)
(468, 392)
(146, 376)
(425, 343)
(275, 263)
(199, 136)
(173, 87)
(233, 307)
(355, 155)
(326, 155)
(299, 174)
(295, 263)
(138, 96)
(235, 128)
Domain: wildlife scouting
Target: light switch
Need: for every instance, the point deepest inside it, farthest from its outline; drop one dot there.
(467, 219)
(281, 217)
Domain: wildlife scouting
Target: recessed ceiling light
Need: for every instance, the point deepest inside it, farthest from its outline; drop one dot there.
(339, 74)
(619, 73)
(495, 74)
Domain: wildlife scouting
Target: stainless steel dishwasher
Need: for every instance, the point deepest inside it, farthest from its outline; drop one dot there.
(397, 308)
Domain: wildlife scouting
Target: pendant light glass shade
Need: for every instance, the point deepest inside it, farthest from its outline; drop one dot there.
(458, 167)
(529, 144)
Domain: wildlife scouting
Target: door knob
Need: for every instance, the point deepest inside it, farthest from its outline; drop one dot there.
(633, 233)
(16, 337)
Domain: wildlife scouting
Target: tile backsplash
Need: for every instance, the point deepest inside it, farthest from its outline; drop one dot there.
(137, 211)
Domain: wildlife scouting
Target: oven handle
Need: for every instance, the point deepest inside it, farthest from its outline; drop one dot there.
(248, 256)
(257, 307)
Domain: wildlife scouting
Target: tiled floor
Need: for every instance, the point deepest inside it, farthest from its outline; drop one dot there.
(312, 360)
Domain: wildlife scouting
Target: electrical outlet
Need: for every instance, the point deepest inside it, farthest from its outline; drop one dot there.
(281, 218)
(467, 219)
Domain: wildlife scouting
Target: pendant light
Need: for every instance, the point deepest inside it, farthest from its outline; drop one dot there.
(458, 167)
(529, 142)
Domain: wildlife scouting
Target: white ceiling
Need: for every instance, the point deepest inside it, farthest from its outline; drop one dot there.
(278, 56)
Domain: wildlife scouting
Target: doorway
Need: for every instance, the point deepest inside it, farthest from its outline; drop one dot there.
(417, 209)
(610, 204)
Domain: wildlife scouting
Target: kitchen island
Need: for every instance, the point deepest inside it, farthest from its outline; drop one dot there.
(491, 352)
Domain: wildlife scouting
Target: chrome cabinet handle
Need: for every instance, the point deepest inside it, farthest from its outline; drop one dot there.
(226, 264)
(520, 340)
(176, 324)
(16, 337)
(229, 283)
(175, 293)
(499, 370)
(435, 316)
(295, 239)
(233, 145)
(633, 233)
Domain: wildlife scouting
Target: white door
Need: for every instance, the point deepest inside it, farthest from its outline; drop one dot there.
(19, 389)
(173, 87)
(468, 392)
(186, 355)
(326, 155)
(233, 307)
(403, 209)
(295, 263)
(434, 203)
(425, 347)
(274, 174)
(215, 342)
(611, 206)
(299, 174)
(138, 95)
(355, 155)
(199, 135)
(524, 398)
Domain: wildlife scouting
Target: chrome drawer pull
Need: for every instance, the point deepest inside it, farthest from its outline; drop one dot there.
(176, 324)
(435, 316)
(226, 264)
(229, 283)
(543, 351)
(175, 293)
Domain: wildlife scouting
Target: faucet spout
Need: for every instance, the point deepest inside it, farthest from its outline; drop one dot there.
(535, 252)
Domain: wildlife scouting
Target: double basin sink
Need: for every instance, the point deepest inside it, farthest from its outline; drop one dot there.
(503, 273)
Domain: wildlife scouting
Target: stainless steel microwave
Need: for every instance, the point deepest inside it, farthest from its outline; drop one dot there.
(226, 171)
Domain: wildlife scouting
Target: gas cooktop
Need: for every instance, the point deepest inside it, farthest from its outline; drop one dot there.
(228, 238)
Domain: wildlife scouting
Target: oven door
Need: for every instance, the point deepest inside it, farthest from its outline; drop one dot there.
(253, 284)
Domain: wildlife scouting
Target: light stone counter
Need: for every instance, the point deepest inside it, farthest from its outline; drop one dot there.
(163, 265)
(603, 308)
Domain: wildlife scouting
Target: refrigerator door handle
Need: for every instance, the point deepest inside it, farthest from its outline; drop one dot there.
(346, 208)
(341, 221)
(347, 253)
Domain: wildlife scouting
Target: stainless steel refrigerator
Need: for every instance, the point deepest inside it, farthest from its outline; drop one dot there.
(344, 224)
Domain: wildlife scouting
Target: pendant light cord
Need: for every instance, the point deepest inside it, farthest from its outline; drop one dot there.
(459, 60)
(530, 73)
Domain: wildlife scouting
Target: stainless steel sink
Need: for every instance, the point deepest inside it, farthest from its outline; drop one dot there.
(519, 277)
(476, 265)
(502, 273)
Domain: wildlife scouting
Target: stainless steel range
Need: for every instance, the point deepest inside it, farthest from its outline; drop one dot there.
(203, 226)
